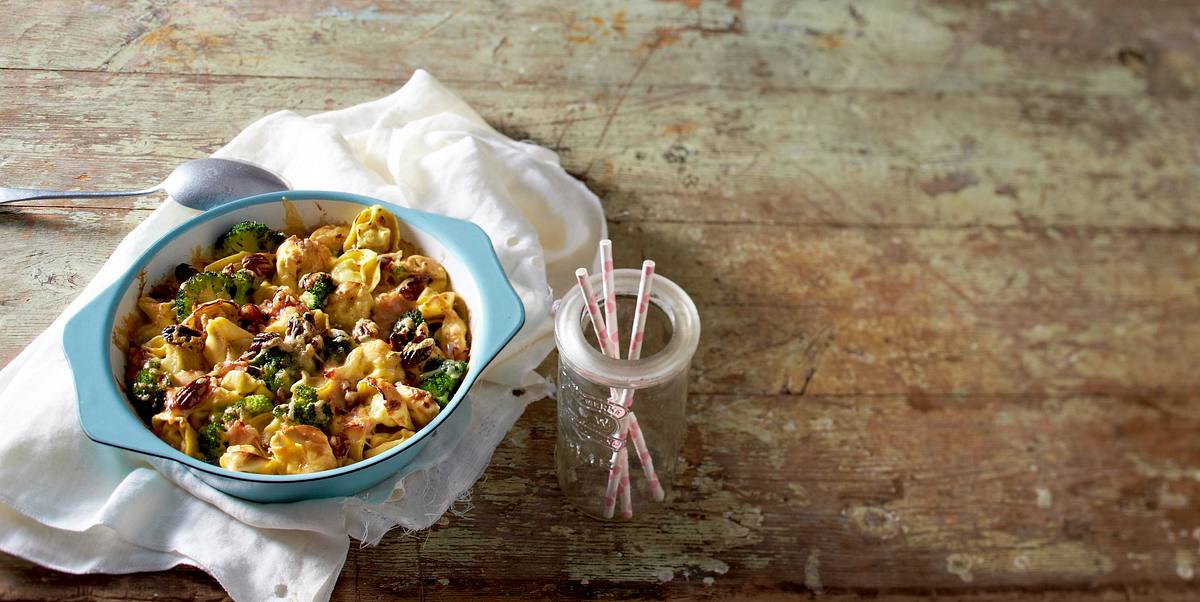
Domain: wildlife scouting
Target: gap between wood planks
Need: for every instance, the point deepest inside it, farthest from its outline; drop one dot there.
(809, 225)
(547, 82)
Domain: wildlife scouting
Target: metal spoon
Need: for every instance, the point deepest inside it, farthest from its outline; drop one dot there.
(200, 184)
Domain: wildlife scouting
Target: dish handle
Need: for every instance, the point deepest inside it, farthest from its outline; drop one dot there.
(506, 311)
(104, 414)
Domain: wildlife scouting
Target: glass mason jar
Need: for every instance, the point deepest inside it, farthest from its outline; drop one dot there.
(591, 387)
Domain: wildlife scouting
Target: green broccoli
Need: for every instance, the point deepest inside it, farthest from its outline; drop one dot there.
(404, 331)
(337, 346)
(443, 380)
(251, 237)
(277, 367)
(212, 442)
(241, 286)
(304, 394)
(414, 315)
(247, 407)
(256, 404)
(317, 288)
(305, 408)
(148, 389)
(201, 288)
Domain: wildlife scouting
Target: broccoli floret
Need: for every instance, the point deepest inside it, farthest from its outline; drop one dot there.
(337, 346)
(304, 394)
(212, 442)
(247, 407)
(443, 380)
(317, 288)
(278, 368)
(201, 288)
(148, 389)
(208, 286)
(305, 408)
(256, 404)
(406, 330)
(251, 237)
(414, 315)
(241, 286)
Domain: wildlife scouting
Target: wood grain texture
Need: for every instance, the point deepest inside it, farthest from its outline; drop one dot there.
(699, 154)
(945, 254)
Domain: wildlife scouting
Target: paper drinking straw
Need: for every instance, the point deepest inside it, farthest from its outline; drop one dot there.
(629, 427)
(645, 285)
(609, 290)
(589, 296)
(619, 473)
(639, 444)
(610, 296)
(626, 500)
(606, 347)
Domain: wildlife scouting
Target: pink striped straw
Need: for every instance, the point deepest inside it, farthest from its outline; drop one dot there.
(608, 288)
(610, 295)
(645, 285)
(589, 296)
(626, 499)
(630, 425)
(618, 477)
(639, 444)
(607, 348)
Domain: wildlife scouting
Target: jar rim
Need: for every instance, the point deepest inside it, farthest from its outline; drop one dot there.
(675, 356)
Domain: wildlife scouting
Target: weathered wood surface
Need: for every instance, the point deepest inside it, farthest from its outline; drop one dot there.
(946, 255)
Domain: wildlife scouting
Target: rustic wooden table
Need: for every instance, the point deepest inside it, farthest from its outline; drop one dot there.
(946, 256)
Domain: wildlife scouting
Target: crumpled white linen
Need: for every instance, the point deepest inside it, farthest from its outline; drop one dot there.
(80, 507)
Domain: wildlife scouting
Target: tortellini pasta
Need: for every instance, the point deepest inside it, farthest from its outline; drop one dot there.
(375, 229)
(284, 377)
(385, 441)
(248, 458)
(332, 237)
(425, 269)
(225, 340)
(357, 265)
(176, 431)
(161, 314)
(300, 449)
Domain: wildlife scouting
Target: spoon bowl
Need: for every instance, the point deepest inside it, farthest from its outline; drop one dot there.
(206, 183)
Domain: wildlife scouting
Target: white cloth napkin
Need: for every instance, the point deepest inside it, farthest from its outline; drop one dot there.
(76, 506)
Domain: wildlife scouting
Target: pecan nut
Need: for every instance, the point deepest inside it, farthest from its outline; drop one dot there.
(406, 332)
(412, 286)
(310, 279)
(281, 301)
(251, 315)
(264, 340)
(259, 264)
(191, 394)
(415, 354)
(178, 334)
(365, 329)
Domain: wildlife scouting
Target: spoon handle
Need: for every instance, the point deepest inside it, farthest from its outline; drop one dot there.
(12, 195)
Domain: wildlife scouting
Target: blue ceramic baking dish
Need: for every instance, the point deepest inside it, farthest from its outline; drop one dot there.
(94, 343)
